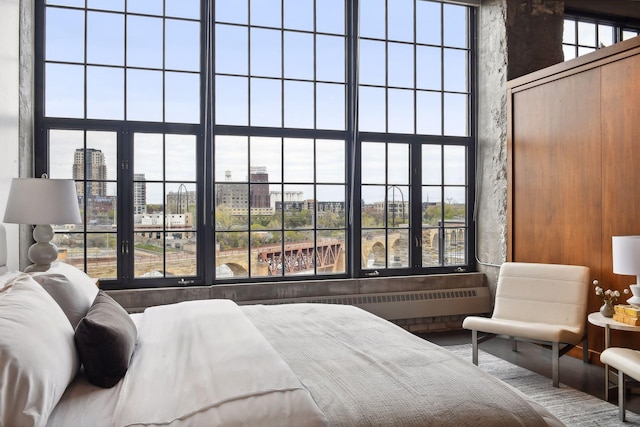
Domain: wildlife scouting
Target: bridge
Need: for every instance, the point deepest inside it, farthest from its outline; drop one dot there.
(295, 258)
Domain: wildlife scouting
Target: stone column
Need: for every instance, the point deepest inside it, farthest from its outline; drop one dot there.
(515, 37)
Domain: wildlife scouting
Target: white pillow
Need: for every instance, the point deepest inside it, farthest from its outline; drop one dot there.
(71, 298)
(74, 295)
(38, 358)
(7, 277)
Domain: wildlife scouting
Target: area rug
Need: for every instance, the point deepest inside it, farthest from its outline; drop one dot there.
(572, 407)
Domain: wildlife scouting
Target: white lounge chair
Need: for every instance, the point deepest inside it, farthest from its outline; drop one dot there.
(542, 303)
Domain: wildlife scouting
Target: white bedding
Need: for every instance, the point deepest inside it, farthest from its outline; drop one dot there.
(199, 363)
(208, 363)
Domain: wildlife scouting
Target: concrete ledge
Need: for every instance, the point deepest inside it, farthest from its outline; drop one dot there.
(136, 300)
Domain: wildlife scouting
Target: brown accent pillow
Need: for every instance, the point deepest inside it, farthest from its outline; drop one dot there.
(105, 339)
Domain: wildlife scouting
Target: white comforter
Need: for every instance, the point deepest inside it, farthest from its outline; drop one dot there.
(198, 363)
(211, 363)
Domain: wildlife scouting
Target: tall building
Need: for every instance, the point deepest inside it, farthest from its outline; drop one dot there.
(89, 165)
(241, 198)
(139, 194)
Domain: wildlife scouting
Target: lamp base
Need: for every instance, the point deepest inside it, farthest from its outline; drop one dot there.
(43, 252)
(635, 299)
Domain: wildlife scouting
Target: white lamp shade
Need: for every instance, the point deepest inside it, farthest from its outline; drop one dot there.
(626, 255)
(42, 201)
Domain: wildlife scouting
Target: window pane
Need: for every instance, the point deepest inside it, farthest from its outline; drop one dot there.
(62, 153)
(371, 109)
(105, 93)
(330, 161)
(454, 165)
(232, 11)
(102, 249)
(148, 149)
(298, 160)
(266, 13)
(454, 251)
(373, 200)
(148, 7)
(266, 102)
(585, 50)
(298, 14)
(267, 153)
(232, 256)
(64, 90)
(269, 256)
(455, 25)
(429, 68)
(401, 111)
(398, 206)
(569, 52)
(330, 58)
(105, 38)
(330, 16)
(455, 70)
(429, 113)
(101, 206)
(431, 165)
(182, 97)
(428, 22)
(400, 65)
(569, 31)
(65, 35)
(400, 16)
(144, 95)
(398, 249)
(373, 163)
(372, 18)
(181, 158)
(298, 105)
(330, 106)
(183, 8)
(586, 34)
(231, 158)
(182, 45)
(398, 164)
(232, 54)
(455, 114)
(298, 55)
(331, 259)
(266, 52)
(372, 63)
(232, 95)
(144, 42)
(605, 35)
(117, 5)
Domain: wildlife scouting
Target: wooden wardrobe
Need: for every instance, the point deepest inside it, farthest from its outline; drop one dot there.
(573, 144)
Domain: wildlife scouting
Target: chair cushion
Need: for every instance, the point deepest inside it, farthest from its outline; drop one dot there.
(527, 330)
(551, 294)
(624, 359)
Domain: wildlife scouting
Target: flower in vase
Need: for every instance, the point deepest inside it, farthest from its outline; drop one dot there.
(608, 295)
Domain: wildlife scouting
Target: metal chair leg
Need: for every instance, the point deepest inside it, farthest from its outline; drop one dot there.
(555, 363)
(621, 396)
(474, 347)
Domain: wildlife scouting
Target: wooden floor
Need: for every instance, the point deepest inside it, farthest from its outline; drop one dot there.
(586, 377)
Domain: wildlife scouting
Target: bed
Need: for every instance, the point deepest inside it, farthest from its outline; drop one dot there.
(215, 363)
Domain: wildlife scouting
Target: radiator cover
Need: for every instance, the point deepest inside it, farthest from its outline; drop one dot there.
(405, 305)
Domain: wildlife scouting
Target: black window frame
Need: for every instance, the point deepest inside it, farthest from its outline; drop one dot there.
(205, 132)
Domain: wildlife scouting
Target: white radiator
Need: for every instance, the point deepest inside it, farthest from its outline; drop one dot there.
(406, 305)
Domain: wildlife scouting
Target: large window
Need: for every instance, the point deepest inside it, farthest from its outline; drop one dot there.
(244, 140)
(585, 34)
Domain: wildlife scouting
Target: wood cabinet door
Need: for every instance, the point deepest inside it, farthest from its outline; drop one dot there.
(620, 160)
(556, 163)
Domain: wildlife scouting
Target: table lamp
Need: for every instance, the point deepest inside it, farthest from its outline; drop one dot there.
(42, 201)
(626, 260)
